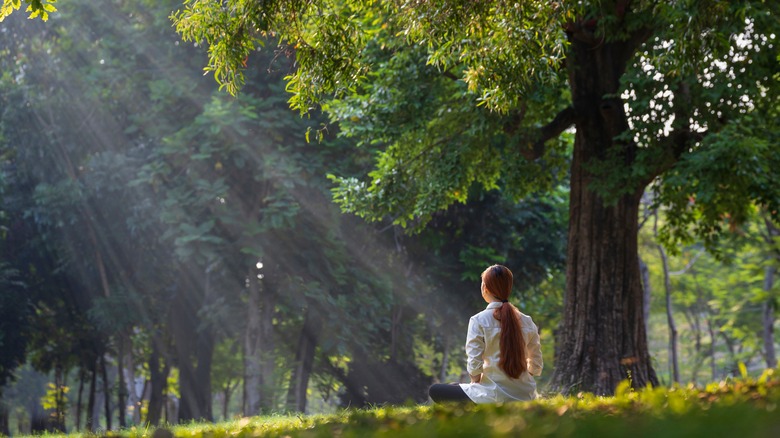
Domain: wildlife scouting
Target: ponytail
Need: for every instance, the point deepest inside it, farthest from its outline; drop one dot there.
(498, 281)
(511, 343)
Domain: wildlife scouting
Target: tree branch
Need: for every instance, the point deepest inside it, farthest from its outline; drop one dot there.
(562, 121)
(450, 75)
(689, 265)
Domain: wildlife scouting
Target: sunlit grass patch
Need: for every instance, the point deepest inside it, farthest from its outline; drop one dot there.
(743, 408)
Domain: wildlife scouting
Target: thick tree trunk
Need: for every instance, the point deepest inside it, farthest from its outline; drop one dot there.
(670, 317)
(602, 339)
(768, 312)
(304, 361)
(252, 347)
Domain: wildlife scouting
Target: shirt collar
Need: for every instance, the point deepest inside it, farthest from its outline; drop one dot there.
(494, 305)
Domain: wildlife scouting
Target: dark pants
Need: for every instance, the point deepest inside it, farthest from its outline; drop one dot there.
(452, 392)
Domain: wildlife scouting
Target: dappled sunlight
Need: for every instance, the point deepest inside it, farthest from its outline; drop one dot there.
(174, 253)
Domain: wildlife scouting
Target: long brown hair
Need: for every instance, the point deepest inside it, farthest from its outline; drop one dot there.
(498, 282)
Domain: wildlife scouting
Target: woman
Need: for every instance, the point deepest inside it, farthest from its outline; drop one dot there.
(502, 346)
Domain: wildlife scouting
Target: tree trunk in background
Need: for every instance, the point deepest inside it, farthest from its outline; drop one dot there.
(445, 359)
(227, 392)
(134, 399)
(59, 399)
(734, 369)
(267, 343)
(670, 317)
(159, 381)
(77, 420)
(304, 361)
(252, 347)
(194, 346)
(203, 374)
(768, 313)
(4, 430)
(647, 291)
(90, 420)
(602, 339)
(396, 315)
(693, 321)
(106, 391)
(122, 391)
(713, 368)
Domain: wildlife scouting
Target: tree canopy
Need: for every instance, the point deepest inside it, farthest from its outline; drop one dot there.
(457, 93)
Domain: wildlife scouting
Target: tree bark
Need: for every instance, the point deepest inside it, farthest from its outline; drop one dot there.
(252, 347)
(304, 361)
(603, 338)
(768, 313)
(670, 317)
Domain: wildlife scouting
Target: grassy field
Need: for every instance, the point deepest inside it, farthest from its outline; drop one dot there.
(744, 408)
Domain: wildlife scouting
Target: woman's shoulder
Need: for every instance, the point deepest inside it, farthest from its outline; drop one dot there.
(482, 314)
(484, 317)
(527, 322)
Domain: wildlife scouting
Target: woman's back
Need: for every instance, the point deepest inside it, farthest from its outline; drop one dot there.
(484, 353)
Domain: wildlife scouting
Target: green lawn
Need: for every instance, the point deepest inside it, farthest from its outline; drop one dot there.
(739, 409)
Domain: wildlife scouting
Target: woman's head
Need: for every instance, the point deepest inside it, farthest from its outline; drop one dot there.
(498, 282)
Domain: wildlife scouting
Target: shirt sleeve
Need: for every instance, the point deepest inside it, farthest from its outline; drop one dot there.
(475, 347)
(533, 355)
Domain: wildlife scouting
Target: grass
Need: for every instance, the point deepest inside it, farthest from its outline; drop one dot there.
(742, 408)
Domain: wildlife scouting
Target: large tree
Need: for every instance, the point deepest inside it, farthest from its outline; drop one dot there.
(648, 87)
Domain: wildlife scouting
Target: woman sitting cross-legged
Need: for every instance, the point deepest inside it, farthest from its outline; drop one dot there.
(502, 346)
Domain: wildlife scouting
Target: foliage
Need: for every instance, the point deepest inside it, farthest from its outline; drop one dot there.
(186, 188)
(734, 166)
(408, 76)
(36, 8)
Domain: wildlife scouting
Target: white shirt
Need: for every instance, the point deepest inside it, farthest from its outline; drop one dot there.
(483, 353)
